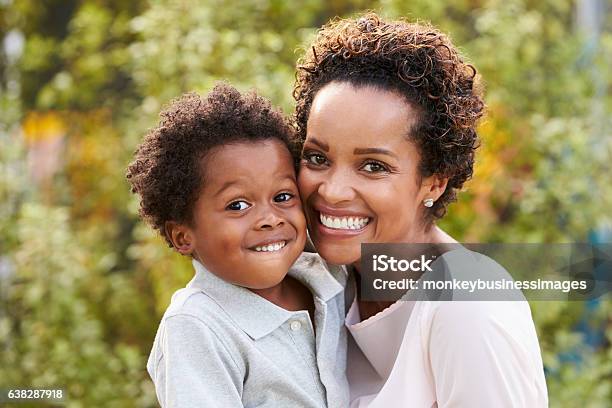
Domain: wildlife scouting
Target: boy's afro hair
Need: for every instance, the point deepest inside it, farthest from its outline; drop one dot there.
(167, 168)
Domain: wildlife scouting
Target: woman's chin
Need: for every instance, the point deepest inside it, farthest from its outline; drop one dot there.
(338, 254)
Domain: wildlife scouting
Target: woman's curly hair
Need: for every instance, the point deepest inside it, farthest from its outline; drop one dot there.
(421, 64)
(167, 166)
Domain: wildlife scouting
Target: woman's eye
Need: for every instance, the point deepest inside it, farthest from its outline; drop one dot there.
(315, 158)
(237, 206)
(282, 197)
(374, 167)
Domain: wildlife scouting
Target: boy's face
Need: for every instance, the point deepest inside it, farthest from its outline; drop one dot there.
(249, 227)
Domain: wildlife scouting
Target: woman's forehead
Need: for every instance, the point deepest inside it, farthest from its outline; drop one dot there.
(359, 117)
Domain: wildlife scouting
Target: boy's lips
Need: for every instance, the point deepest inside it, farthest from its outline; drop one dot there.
(270, 245)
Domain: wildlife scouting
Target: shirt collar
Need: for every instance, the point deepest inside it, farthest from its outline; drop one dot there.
(256, 316)
(324, 280)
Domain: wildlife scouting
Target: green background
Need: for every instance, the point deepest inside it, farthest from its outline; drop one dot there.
(83, 282)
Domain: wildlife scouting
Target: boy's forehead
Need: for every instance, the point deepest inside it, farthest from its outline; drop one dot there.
(251, 164)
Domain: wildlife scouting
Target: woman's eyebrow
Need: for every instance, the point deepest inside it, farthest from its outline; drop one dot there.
(374, 150)
(324, 146)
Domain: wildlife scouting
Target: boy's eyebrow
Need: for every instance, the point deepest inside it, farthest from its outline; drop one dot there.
(289, 176)
(228, 184)
(225, 186)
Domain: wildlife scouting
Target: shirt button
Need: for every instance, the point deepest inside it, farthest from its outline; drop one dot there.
(295, 325)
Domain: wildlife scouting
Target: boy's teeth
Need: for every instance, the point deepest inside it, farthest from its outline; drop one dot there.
(271, 247)
(343, 222)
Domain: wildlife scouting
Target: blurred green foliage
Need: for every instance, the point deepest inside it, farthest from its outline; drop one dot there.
(83, 283)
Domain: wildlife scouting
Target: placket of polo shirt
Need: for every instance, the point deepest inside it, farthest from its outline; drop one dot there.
(323, 364)
(320, 321)
(304, 341)
(301, 327)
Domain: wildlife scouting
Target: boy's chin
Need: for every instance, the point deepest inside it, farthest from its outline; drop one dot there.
(271, 268)
(270, 281)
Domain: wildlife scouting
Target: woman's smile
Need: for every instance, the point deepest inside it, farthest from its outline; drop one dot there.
(343, 223)
(338, 221)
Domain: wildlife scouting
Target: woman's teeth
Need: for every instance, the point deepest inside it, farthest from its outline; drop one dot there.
(346, 223)
(275, 246)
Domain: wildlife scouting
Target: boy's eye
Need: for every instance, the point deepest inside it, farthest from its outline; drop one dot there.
(374, 167)
(237, 206)
(315, 158)
(282, 197)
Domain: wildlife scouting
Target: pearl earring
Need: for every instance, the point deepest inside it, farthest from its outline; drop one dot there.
(428, 202)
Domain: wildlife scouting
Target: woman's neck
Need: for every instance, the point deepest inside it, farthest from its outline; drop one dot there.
(430, 235)
(433, 235)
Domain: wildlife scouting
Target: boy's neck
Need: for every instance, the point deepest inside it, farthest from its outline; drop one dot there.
(273, 294)
(289, 294)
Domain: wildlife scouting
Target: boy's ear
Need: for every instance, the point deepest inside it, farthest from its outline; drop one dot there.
(181, 237)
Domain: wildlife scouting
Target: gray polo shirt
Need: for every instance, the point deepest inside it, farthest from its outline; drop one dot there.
(221, 345)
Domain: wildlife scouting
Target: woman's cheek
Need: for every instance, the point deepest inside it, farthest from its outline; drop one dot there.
(303, 176)
(307, 181)
(395, 211)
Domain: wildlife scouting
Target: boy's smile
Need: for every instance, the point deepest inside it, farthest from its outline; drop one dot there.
(249, 227)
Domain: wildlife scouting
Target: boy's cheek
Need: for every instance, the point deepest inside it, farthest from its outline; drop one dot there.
(299, 219)
(222, 238)
(301, 228)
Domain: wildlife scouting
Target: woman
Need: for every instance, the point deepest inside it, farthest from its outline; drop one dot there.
(387, 113)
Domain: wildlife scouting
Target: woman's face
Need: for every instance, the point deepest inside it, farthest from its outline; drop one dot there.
(359, 178)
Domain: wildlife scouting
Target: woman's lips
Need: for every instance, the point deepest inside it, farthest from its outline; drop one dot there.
(341, 226)
(343, 223)
(338, 222)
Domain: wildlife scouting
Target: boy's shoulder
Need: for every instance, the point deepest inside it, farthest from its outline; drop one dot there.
(190, 301)
(193, 320)
(192, 309)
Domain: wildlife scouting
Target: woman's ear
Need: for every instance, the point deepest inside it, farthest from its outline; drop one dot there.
(434, 186)
(181, 237)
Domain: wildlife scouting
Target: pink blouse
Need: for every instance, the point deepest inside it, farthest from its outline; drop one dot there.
(423, 354)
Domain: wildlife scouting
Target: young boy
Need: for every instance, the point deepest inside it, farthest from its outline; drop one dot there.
(216, 178)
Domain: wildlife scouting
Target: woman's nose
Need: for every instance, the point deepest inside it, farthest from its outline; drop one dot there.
(337, 187)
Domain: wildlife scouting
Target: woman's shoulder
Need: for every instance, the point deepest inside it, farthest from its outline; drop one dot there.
(470, 290)
(465, 275)
(463, 263)
(484, 317)
(496, 341)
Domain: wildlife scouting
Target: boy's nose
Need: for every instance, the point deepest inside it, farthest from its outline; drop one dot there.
(270, 220)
